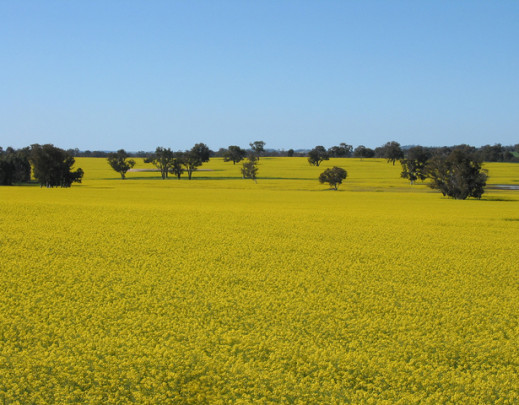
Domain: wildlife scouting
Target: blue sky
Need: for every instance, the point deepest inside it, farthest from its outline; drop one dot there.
(140, 74)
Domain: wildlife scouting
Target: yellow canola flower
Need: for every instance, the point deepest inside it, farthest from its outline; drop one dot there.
(226, 291)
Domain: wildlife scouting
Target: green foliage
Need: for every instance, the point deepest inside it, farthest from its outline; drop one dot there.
(362, 152)
(458, 175)
(317, 155)
(52, 166)
(234, 154)
(120, 163)
(162, 159)
(249, 169)
(192, 159)
(413, 168)
(176, 166)
(14, 166)
(333, 176)
(392, 152)
(257, 148)
(341, 151)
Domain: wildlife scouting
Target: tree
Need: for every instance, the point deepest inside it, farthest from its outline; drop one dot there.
(413, 168)
(120, 163)
(14, 166)
(317, 155)
(234, 154)
(362, 152)
(458, 175)
(495, 153)
(176, 164)
(162, 159)
(392, 152)
(341, 151)
(290, 153)
(333, 176)
(249, 169)
(52, 166)
(195, 157)
(257, 148)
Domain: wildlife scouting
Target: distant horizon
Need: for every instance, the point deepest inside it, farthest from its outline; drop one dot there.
(136, 75)
(215, 149)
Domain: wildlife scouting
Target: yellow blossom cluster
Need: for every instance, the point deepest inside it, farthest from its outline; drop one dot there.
(220, 290)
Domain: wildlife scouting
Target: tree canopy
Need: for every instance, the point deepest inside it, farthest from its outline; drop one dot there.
(234, 154)
(162, 158)
(249, 169)
(333, 176)
(195, 157)
(257, 148)
(317, 155)
(392, 152)
(414, 166)
(341, 151)
(362, 152)
(458, 175)
(52, 166)
(120, 163)
(14, 166)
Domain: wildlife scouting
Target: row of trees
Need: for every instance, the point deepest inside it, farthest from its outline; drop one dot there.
(488, 153)
(52, 166)
(391, 151)
(176, 163)
(455, 171)
(167, 161)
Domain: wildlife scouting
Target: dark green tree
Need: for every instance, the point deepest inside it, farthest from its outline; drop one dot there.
(234, 154)
(413, 167)
(52, 166)
(195, 157)
(317, 155)
(362, 152)
(162, 159)
(458, 175)
(341, 151)
(177, 163)
(392, 152)
(249, 168)
(333, 176)
(290, 152)
(119, 162)
(257, 148)
(14, 166)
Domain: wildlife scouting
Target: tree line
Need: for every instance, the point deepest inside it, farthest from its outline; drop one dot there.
(177, 163)
(455, 171)
(51, 166)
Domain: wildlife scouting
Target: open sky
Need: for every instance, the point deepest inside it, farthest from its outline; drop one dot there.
(117, 74)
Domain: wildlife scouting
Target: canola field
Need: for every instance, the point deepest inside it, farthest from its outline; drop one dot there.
(220, 290)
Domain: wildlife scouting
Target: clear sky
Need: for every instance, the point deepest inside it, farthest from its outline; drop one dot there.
(117, 74)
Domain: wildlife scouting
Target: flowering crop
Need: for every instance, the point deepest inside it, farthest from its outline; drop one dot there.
(220, 290)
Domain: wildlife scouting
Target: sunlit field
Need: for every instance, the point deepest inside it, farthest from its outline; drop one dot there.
(221, 290)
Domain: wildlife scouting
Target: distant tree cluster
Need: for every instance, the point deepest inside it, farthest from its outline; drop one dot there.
(15, 166)
(51, 166)
(456, 172)
(167, 161)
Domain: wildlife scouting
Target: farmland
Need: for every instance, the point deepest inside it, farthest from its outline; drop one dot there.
(222, 290)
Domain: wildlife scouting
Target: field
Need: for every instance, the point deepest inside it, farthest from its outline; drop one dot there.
(221, 290)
